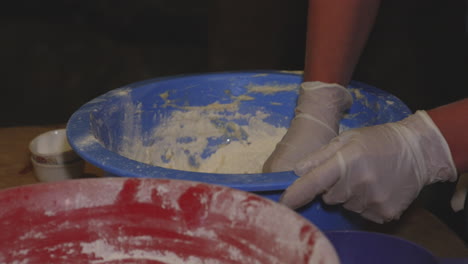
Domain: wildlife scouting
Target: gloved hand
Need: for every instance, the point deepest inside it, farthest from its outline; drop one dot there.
(375, 171)
(458, 199)
(319, 109)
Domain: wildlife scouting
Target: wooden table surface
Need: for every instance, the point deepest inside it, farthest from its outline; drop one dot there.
(417, 224)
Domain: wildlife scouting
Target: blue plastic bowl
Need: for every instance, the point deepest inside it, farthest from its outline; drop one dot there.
(358, 247)
(95, 131)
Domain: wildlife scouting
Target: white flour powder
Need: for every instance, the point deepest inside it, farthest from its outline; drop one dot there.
(207, 139)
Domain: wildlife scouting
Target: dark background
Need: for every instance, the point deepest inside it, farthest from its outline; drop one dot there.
(58, 54)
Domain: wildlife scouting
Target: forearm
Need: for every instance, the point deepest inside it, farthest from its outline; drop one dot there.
(452, 121)
(337, 31)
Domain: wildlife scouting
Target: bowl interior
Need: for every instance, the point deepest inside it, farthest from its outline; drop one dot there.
(51, 143)
(115, 130)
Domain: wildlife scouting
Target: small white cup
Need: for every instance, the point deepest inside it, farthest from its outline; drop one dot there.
(51, 173)
(53, 159)
(52, 148)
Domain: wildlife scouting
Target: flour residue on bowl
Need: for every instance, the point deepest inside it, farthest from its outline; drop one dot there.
(106, 252)
(271, 89)
(205, 139)
(243, 219)
(160, 221)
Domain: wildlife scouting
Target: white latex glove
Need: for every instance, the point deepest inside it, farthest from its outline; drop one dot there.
(319, 109)
(458, 198)
(375, 171)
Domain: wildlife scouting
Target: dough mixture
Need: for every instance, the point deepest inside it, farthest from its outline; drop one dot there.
(208, 139)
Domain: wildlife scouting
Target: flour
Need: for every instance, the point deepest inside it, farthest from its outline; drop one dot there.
(85, 142)
(208, 139)
(107, 252)
(271, 89)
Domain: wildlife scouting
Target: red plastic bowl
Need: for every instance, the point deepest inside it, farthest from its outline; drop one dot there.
(121, 220)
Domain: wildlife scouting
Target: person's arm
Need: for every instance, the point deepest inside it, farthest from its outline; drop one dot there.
(452, 121)
(337, 31)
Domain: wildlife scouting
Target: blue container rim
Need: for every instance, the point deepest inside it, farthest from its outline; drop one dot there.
(84, 143)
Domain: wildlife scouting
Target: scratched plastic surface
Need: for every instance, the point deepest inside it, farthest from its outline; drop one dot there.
(123, 220)
(96, 130)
